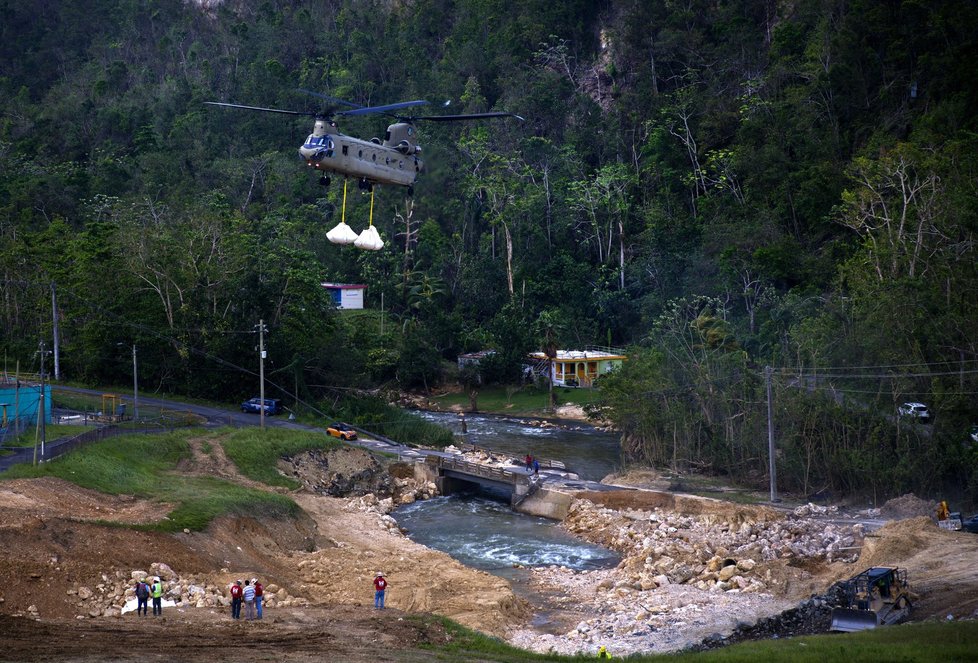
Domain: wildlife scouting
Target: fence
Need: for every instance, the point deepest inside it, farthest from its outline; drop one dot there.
(59, 447)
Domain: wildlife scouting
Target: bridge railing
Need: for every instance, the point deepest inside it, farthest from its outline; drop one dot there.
(479, 470)
(545, 463)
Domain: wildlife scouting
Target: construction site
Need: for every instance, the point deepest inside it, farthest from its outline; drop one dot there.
(694, 572)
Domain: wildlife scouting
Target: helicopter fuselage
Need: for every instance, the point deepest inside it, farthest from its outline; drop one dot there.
(395, 160)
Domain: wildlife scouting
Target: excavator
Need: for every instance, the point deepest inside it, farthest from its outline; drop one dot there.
(875, 597)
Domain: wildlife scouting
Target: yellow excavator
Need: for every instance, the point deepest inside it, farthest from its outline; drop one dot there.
(875, 597)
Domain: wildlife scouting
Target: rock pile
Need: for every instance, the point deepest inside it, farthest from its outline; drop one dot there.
(406, 491)
(117, 590)
(809, 617)
(662, 548)
(338, 472)
(685, 578)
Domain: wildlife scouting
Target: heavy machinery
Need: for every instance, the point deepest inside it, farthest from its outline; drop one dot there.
(875, 597)
(947, 519)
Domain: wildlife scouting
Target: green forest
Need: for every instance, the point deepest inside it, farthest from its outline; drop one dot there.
(719, 186)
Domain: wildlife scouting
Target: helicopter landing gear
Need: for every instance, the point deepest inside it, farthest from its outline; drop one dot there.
(324, 181)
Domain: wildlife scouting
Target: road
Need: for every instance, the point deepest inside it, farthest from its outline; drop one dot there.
(215, 417)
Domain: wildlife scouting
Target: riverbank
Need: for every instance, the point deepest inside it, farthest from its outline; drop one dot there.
(71, 556)
(698, 570)
(570, 408)
(690, 568)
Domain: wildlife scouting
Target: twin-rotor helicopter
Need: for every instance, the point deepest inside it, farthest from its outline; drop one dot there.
(394, 160)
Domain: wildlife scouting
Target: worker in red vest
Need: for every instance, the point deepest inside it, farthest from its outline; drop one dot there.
(380, 588)
(236, 593)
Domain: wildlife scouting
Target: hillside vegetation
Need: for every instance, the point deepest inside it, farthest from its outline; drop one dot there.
(719, 185)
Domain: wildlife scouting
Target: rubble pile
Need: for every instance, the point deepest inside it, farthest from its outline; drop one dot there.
(686, 578)
(627, 620)
(661, 548)
(338, 472)
(810, 617)
(117, 592)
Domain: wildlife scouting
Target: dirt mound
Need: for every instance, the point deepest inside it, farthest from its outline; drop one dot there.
(25, 500)
(940, 565)
(324, 558)
(908, 506)
(309, 635)
(900, 540)
(45, 557)
(339, 472)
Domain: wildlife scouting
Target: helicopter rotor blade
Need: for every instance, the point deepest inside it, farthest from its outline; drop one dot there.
(382, 109)
(456, 118)
(259, 108)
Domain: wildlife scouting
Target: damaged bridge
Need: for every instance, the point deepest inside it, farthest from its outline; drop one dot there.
(457, 475)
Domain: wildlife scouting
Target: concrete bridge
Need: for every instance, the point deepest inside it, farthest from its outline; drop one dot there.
(452, 474)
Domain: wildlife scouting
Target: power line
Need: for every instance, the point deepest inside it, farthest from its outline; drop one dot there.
(948, 362)
(879, 376)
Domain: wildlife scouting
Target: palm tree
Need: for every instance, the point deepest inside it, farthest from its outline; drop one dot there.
(549, 330)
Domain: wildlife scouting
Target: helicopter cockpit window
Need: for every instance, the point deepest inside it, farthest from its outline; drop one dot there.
(319, 141)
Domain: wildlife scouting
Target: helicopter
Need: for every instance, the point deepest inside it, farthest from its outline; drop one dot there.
(396, 160)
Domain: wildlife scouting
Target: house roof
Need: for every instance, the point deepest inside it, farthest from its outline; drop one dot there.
(344, 286)
(580, 355)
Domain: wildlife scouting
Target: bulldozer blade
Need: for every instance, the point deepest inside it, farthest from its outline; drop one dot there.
(848, 620)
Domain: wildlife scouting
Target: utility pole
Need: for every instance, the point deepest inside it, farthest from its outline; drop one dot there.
(261, 370)
(41, 418)
(770, 436)
(57, 343)
(135, 386)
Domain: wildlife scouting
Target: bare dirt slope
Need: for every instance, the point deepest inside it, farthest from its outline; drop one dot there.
(57, 538)
(942, 566)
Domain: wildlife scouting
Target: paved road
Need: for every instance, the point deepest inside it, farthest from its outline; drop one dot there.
(217, 417)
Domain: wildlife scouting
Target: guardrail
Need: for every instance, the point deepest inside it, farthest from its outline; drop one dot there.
(545, 463)
(478, 469)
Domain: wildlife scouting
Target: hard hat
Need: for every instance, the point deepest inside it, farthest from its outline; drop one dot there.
(380, 574)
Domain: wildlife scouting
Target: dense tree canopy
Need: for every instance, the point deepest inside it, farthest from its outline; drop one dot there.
(718, 184)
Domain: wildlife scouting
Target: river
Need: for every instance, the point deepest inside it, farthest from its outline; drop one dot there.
(487, 534)
(591, 453)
